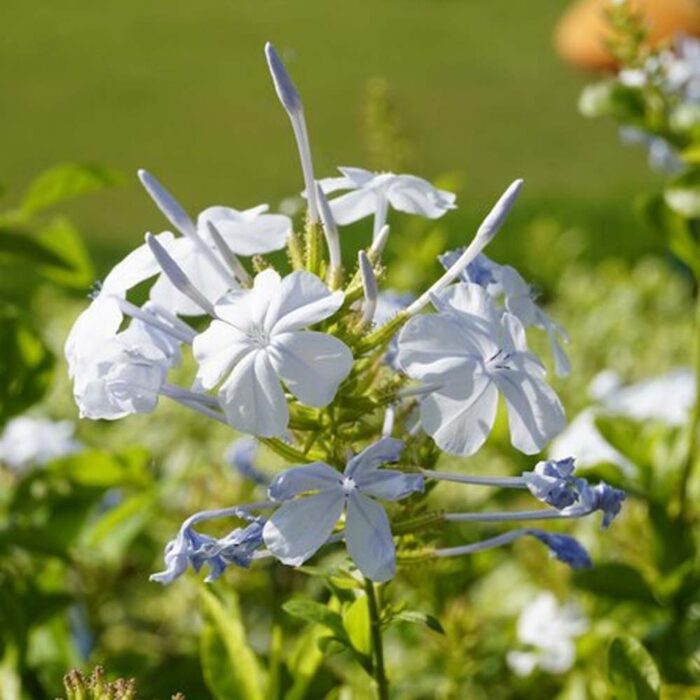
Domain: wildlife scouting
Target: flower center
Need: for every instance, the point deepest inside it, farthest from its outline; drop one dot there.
(499, 361)
(259, 336)
(349, 485)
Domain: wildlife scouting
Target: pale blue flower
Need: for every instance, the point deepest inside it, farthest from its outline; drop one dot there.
(315, 496)
(552, 482)
(191, 548)
(504, 283)
(240, 454)
(602, 497)
(471, 352)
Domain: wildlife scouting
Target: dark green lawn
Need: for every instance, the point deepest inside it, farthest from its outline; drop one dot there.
(180, 87)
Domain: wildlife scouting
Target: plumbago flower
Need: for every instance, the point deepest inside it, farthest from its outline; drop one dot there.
(468, 353)
(319, 494)
(258, 339)
(314, 362)
(373, 193)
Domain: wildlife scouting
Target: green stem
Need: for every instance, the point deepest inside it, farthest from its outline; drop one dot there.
(691, 458)
(375, 628)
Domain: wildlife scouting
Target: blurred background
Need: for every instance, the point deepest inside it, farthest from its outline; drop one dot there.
(181, 88)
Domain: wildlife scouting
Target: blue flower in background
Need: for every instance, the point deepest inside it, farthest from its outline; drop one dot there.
(240, 454)
(315, 496)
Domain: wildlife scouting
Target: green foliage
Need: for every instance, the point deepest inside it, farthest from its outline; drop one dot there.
(632, 672)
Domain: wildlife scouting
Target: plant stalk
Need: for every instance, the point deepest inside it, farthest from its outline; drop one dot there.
(375, 627)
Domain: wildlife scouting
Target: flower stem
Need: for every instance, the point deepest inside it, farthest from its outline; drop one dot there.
(375, 628)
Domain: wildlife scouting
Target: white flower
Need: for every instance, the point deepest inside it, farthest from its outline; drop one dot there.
(471, 352)
(116, 373)
(505, 283)
(667, 398)
(258, 340)
(373, 193)
(28, 441)
(550, 630)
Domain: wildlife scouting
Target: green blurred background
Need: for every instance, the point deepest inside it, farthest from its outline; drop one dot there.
(181, 88)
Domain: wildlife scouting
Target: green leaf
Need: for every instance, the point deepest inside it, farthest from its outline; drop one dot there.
(683, 194)
(632, 672)
(356, 623)
(241, 663)
(617, 581)
(21, 244)
(64, 182)
(419, 618)
(216, 666)
(26, 364)
(311, 611)
(114, 532)
(304, 661)
(62, 239)
(609, 98)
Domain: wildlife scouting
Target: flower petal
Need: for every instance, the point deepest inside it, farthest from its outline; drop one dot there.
(414, 195)
(535, 414)
(246, 234)
(384, 451)
(311, 364)
(136, 267)
(298, 528)
(460, 421)
(217, 350)
(252, 397)
(353, 206)
(317, 476)
(302, 300)
(389, 484)
(435, 347)
(368, 538)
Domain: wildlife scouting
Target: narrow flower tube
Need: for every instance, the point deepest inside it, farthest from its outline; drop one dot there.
(484, 235)
(379, 243)
(369, 286)
(176, 394)
(499, 481)
(563, 547)
(229, 256)
(179, 218)
(291, 101)
(329, 229)
(176, 275)
(174, 331)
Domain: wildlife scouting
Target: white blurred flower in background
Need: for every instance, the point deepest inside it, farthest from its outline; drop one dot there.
(548, 630)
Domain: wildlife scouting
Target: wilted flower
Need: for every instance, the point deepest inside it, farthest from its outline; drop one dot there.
(315, 496)
(191, 548)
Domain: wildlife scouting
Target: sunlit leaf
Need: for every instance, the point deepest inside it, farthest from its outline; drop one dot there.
(66, 181)
(631, 670)
(356, 623)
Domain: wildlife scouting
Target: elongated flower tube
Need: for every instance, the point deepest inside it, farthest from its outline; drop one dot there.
(369, 286)
(484, 235)
(291, 101)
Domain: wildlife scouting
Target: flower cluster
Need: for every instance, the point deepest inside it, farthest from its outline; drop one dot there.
(335, 377)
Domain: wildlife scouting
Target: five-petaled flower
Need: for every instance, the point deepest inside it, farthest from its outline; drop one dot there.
(470, 352)
(257, 341)
(373, 193)
(315, 496)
